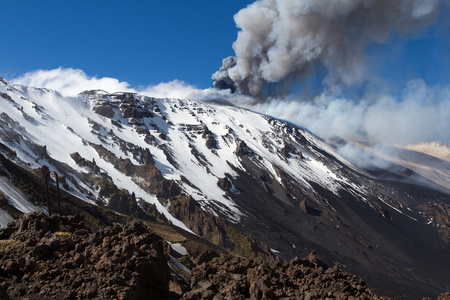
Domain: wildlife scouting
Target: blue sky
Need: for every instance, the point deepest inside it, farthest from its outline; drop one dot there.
(148, 42)
(424, 54)
(141, 42)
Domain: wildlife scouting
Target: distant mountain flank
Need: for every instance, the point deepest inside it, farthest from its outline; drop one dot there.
(423, 168)
(437, 149)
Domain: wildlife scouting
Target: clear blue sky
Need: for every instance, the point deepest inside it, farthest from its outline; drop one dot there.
(148, 42)
(141, 42)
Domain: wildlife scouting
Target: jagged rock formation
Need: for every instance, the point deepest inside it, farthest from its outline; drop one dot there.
(57, 257)
(225, 184)
(306, 278)
(438, 215)
(243, 149)
(211, 142)
(202, 223)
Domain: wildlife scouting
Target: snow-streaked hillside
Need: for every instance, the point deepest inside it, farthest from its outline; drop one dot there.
(17, 199)
(175, 131)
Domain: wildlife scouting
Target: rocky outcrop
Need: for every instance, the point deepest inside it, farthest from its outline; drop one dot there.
(132, 108)
(58, 258)
(288, 149)
(307, 278)
(243, 149)
(148, 171)
(6, 96)
(11, 123)
(122, 201)
(438, 214)
(225, 184)
(85, 163)
(306, 208)
(217, 230)
(104, 110)
(202, 223)
(211, 142)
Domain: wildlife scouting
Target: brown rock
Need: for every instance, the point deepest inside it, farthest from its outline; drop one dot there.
(68, 266)
(243, 149)
(444, 296)
(224, 184)
(206, 256)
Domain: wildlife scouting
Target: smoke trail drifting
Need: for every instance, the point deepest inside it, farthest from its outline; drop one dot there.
(282, 40)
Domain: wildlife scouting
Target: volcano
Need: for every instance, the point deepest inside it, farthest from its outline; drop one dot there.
(240, 180)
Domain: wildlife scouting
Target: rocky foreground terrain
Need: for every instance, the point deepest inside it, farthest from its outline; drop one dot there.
(57, 257)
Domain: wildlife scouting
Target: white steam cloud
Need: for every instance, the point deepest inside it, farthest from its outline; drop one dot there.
(420, 114)
(284, 40)
(70, 81)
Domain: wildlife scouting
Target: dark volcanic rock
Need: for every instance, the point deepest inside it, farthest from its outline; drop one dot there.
(243, 149)
(85, 163)
(307, 278)
(211, 142)
(287, 149)
(440, 215)
(224, 184)
(206, 256)
(104, 110)
(57, 258)
(205, 225)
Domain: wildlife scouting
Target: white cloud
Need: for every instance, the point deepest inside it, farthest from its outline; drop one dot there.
(73, 81)
(176, 89)
(364, 157)
(70, 81)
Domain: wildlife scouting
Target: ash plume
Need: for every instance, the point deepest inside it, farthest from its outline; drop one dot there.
(286, 40)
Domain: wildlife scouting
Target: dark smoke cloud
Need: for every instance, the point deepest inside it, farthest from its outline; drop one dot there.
(284, 40)
(285, 43)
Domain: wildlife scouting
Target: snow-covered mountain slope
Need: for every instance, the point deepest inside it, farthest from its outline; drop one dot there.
(200, 163)
(193, 143)
(17, 199)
